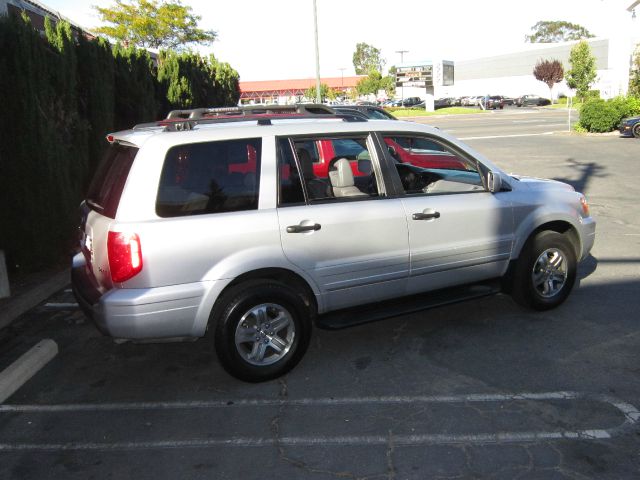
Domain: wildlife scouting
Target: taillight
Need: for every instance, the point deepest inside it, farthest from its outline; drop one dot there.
(125, 255)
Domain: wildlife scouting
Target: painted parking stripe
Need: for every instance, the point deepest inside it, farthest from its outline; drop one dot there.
(508, 136)
(630, 413)
(61, 306)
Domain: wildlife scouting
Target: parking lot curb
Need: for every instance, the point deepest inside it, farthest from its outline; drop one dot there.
(25, 301)
(25, 367)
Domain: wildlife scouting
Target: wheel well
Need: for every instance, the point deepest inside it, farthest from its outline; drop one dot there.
(281, 275)
(563, 228)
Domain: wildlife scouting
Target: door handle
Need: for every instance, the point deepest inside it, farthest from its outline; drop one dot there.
(426, 216)
(303, 228)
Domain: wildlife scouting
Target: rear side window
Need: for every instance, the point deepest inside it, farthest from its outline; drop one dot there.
(211, 177)
(108, 182)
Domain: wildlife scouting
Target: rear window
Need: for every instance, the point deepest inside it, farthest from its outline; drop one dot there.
(108, 182)
(211, 177)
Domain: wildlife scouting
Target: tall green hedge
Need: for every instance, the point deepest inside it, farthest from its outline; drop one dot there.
(59, 97)
(598, 115)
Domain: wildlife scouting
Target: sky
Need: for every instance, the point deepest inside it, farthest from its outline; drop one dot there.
(274, 39)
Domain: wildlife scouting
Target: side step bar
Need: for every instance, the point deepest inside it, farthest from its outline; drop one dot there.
(402, 306)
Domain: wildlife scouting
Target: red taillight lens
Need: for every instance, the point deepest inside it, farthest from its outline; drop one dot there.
(125, 255)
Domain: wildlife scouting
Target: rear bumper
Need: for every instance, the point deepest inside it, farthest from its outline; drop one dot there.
(175, 311)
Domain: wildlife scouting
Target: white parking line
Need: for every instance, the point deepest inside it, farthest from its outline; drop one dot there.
(25, 367)
(508, 136)
(62, 306)
(630, 413)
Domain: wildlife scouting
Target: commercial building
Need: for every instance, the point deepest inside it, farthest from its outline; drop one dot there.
(292, 91)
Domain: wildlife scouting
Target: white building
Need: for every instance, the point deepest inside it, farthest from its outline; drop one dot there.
(512, 74)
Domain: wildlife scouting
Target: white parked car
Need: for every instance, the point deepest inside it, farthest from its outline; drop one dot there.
(257, 227)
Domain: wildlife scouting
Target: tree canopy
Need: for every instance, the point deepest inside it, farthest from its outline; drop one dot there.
(367, 58)
(549, 72)
(583, 68)
(153, 24)
(557, 31)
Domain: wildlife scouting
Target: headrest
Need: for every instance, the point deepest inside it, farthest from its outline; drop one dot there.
(342, 176)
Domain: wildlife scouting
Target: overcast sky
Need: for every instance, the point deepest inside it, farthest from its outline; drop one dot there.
(273, 39)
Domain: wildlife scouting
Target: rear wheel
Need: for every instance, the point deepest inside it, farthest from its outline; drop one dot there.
(636, 130)
(545, 272)
(262, 330)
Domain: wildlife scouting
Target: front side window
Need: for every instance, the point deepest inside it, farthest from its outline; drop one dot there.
(427, 165)
(210, 177)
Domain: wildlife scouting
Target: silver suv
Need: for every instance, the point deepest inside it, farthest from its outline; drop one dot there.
(257, 227)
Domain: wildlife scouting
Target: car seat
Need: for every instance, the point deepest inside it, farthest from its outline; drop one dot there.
(342, 180)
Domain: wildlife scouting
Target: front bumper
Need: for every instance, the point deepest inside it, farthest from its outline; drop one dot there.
(588, 236)
(625, 130)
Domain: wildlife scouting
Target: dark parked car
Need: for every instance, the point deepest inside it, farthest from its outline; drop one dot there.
(364, 111)
(630, 127)
(532, 100)
(494, 102)
(411, 101)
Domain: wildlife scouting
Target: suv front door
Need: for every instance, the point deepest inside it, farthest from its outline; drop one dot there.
(351, 239)
(458, 231)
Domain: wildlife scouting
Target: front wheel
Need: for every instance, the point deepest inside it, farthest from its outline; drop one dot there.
(262, 330)
(636, 130)
(545, 272)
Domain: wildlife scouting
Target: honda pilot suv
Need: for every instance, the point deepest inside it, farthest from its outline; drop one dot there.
(223, 224)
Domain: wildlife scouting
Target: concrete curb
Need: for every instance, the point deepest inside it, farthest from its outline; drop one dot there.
(26, 301)
(25, 367)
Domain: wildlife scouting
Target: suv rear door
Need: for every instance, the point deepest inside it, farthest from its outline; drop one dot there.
(354, 247)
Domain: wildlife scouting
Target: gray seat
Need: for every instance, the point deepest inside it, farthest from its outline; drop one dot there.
(342, 180)
(316, 187)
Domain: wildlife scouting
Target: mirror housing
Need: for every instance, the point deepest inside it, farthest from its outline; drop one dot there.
(494, 181)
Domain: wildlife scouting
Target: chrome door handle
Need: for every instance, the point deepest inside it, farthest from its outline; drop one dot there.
(426, 216)
(303, 228)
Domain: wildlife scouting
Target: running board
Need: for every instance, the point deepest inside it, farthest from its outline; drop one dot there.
(405, 305)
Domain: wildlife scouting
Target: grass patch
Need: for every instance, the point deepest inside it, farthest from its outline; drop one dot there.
(415, 112)
(563, 106)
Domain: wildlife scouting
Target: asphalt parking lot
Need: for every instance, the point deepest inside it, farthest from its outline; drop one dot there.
(482, 389)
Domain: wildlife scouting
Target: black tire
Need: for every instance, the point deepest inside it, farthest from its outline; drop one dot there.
(240, 304)
(539, 283)
(636, 130)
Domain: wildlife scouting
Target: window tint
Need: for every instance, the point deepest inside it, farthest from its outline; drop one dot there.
(212, 177)
(108, 182)
(343, 169)
(290, 184)
(428, 166)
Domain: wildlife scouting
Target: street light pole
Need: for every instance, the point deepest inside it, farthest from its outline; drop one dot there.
(402, 52)
(315, 25)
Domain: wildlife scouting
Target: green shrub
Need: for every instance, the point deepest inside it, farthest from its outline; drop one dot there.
(598, 115)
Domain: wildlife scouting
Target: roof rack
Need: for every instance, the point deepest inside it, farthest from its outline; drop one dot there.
(179, 124)
(299, 108)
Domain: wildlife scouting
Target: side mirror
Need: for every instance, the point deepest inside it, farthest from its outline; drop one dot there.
(365, 166)
(392, 151)
(494, 182)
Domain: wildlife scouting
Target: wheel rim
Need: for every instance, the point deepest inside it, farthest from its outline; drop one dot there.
(550, 272)
(265, 334)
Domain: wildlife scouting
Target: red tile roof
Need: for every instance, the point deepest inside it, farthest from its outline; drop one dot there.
(298, 84)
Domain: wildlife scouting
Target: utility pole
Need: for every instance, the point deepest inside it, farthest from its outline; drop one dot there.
(315, 28)
(402, 52)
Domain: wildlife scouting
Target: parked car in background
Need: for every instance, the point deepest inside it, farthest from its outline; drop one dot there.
(630, 127)
(365, 111)
(494, 102)
(532, 100)
(411, 101)
(508, 101)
